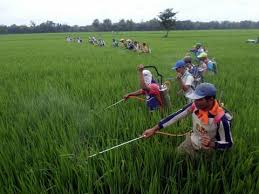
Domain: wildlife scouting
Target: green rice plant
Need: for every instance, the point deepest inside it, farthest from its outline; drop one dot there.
(52, 118)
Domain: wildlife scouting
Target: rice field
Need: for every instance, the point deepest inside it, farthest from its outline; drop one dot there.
(52, 96)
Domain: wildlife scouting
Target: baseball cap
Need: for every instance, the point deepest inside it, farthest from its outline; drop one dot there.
(203, 90)
(147, 76)
(179, 64)
(202, 55)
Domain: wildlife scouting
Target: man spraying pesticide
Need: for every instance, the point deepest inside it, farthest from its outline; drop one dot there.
(156, 95)
(211, 123)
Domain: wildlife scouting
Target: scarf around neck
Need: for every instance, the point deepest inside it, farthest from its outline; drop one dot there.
(216, 111)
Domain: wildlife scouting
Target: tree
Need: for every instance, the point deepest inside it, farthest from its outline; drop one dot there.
(122, 25)
(3, 29)
(107, 25)
(129, 25)
(167, 20)
(96, 24)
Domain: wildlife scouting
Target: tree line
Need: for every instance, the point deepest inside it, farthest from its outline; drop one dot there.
(125, 25)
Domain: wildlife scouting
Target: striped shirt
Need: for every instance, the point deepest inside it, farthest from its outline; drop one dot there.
(218, 127)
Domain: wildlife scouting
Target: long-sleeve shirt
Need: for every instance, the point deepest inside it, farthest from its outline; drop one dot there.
(218, 127)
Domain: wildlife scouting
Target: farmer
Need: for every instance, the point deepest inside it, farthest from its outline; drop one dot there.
(123, 43)
(193, 70)
(149, 88)
(145, 48)
(188, 63)
(130, 44)
(136, 46)
(79, 40)
(211, 124)
(205, 63)
(197, 49)
(115, 43)
(69, 39)
(184, 78)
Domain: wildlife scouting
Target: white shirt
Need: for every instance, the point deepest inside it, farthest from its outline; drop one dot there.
(188, 80)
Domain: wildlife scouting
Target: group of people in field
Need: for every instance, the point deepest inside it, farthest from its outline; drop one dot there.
(190, 73)
(201, 56)
(140, 47)
(96, 42)
(91, 39)
(77, 39)
(211, 122)
(211, 128)
(132, 45)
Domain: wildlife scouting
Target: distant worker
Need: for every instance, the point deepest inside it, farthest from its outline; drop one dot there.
(145, 48)
(136, 46)
(198, 49)
(69, 39)
(115, 43)
(194, 70)
(130, 44)
(206, 64)
(123, 43)
(79, 40)
(101, 42)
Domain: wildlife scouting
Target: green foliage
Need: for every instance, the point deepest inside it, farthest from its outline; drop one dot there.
(52, 95)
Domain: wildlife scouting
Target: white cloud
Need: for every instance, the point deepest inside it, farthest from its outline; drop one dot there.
(82, 12)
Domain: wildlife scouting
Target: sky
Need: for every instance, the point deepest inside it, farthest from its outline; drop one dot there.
(83, 12)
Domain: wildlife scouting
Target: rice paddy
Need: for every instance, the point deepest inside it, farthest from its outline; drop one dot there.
(52, 117)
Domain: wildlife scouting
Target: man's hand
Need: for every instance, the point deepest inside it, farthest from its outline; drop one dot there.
(178, 76)
(126, 97)
(179, 93)
(150, 132)
(140, 67)
(206, 142)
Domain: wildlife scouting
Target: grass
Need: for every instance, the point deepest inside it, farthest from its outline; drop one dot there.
(52, 95)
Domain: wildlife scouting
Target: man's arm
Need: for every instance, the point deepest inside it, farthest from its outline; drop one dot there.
(168, 120)
(224, 136)
(136, 93)
(141, 78)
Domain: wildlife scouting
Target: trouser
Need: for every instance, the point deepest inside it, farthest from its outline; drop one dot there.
(186, 147)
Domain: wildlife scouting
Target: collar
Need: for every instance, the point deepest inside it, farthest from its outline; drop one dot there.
(186, 73)
(216, 111)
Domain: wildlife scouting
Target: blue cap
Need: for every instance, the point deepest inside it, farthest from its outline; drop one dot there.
(203, 90)
(179, 64)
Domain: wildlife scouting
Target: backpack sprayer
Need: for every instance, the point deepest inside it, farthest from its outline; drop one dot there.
(164, 90)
